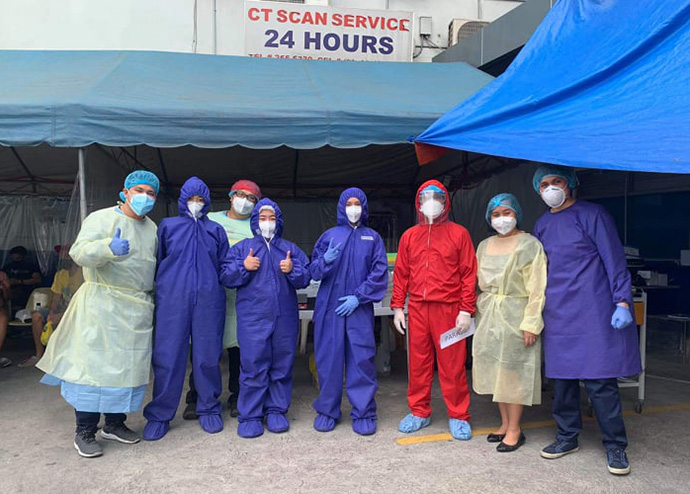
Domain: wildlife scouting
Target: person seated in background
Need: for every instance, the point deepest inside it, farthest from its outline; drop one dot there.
(24, 277)
(66, 282)
(4, 313)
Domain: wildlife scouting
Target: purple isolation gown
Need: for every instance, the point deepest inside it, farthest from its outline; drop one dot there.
(587, 276)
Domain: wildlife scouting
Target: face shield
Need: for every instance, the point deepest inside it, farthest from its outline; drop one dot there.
(432, 202)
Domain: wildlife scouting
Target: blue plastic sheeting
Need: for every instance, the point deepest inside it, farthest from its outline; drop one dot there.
(601, 84)
(76, 98)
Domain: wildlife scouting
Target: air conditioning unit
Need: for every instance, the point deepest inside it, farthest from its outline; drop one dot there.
(462, 28)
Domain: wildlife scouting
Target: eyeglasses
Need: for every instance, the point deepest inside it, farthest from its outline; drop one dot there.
(249, 197)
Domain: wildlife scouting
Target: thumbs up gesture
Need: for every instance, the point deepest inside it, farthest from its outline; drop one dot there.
(119, 246)
(286, 264)
(251, 263)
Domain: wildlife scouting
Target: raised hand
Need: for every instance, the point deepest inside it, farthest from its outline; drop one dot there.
(332, 252)
(119, 246)
(251, 263)
(286, 264)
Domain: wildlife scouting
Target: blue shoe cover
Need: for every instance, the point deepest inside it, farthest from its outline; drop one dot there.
(211, 423)
(250, 428)
(154, 430)
(364, 427)
(460, 429)
(324, 423)
(412, 423)
(277, 423)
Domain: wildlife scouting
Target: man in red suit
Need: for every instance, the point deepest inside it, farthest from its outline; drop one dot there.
(437, 268)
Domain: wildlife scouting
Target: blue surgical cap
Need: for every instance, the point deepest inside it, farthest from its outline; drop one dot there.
(566, 173)
(506, 200)
(433, 188)
(142, 177)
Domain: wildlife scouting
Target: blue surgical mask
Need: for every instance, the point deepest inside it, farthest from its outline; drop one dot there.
(141, 204)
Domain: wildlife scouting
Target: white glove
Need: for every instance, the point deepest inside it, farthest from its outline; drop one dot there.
(399, 320)
(463, 321)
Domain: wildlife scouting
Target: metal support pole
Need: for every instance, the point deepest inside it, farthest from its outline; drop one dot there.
(82, 183)
(215, 28)
(625, 210)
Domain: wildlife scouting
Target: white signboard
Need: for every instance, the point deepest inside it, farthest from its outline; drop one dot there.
(285, 30)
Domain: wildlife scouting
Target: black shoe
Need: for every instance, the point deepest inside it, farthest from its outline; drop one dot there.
(190, 412)
(495, 438)
(232, 405)
(120, 433)
(509, 448)
(86, 444)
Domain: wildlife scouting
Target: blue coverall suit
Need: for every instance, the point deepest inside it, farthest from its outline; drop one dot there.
(267, 322)
(190, 301)
(361, 269)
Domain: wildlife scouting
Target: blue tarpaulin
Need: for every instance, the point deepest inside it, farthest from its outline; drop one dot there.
(76, 98)
(601, 84)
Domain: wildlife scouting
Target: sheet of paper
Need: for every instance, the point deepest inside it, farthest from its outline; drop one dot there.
(454, 335)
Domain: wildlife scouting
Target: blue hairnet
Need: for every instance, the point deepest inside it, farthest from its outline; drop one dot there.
(566, 173)
(507, 201)
(433, 188)
(139, 177)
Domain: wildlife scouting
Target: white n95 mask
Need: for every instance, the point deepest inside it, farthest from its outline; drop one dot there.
(242, 206)
(195, 208)
(267, 228)
(354, 213)
(503, 224)
(553, 196)
(432, 209)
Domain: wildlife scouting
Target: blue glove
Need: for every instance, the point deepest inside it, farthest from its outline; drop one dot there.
(331, 253)
(119, 246)
(621, 317)
(348, 306)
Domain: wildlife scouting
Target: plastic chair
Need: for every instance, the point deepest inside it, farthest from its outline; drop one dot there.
(39, 295)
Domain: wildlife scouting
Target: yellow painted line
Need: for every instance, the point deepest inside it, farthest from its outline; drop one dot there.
(430, 438)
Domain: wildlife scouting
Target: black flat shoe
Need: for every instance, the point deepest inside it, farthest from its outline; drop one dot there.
(509, 448)
(495, 438)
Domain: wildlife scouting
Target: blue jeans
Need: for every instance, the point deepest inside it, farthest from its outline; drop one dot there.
(603, 393)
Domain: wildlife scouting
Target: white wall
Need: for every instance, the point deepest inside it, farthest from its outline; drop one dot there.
(168, 25)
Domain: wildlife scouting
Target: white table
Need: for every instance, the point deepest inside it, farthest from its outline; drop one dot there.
(307, 315)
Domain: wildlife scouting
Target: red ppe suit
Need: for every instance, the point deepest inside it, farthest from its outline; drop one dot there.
(437, 267)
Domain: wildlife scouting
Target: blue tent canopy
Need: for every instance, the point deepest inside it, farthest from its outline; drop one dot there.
(601, 84)
(76, 98)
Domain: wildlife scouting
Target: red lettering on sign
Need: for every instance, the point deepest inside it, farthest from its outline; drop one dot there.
(404, 25)
(361, 21)
(392, 24)
(337, 20)
(349, 21)
(373, 21)
(253, 14)
(282, 16)
(322, 18)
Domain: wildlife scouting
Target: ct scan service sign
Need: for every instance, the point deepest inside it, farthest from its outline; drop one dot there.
(282, 30)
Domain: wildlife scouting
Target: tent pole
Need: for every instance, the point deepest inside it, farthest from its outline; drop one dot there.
(294, 174)
(625, 210)
(30, 175)
(166, 182)
(82, 183)
(215, 28)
